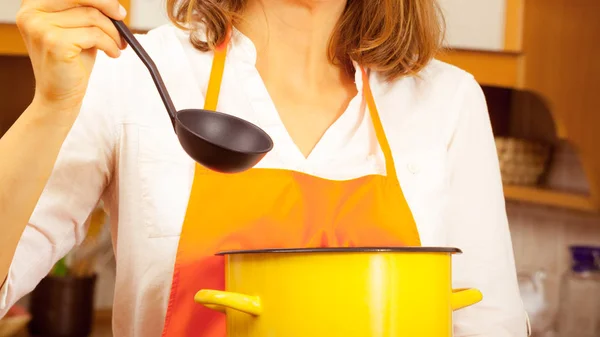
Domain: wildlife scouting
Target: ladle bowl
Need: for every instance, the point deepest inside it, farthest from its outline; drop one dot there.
(217, 141)
(221, 142)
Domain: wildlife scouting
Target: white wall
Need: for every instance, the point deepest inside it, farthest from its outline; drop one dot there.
(147, 14)
(475, 24)
(8, 10)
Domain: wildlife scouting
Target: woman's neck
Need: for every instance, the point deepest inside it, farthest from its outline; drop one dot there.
(292, 38)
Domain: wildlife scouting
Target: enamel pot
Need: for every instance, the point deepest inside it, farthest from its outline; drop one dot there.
(327, 292)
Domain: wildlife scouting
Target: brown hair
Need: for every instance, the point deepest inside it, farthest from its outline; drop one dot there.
(394, 37)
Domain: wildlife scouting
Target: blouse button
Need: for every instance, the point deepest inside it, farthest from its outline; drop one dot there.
(413, 168)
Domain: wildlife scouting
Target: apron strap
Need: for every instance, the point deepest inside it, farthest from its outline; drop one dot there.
(390, 168)
(214, 87)
(216, 75)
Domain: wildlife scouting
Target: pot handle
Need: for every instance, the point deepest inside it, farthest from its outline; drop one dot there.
(217, 300)
(462, 298)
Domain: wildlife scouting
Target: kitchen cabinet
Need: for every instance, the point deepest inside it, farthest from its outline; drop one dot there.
(11, 42)
(557, 63)
(547, 197)
(10, 39)
(560, 65)
(509, 43)
(499, 69)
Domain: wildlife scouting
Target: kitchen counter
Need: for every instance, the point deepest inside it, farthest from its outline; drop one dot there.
(100, 330)
(102, 326)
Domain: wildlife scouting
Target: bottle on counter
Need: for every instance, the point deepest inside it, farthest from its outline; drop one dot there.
(532, 286)
(579, 307)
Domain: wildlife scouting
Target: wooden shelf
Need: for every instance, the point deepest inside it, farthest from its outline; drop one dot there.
(500, 69)
(540, 196)
(11, 42)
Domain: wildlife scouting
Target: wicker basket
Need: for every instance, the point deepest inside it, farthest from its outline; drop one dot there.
(522, 162)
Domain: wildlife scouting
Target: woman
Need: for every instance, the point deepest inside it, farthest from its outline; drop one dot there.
(354, 103)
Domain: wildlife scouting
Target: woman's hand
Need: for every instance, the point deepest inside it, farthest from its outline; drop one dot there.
(62, 37)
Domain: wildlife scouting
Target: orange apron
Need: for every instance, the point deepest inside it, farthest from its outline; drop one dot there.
(276, 208)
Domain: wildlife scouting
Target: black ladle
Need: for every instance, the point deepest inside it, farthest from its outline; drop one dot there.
(215, 140)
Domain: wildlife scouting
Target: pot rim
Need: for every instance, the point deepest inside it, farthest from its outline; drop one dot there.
(411, 249)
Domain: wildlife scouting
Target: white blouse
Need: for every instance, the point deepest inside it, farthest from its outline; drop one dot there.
(122, 149)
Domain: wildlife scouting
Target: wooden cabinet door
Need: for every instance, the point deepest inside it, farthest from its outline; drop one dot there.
(147, 14)
(475, 24)
(8, 10)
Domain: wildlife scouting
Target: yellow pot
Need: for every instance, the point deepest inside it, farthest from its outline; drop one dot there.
(346, 292)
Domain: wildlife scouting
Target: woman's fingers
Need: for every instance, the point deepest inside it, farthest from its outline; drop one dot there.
(62, 37)
(80, 17)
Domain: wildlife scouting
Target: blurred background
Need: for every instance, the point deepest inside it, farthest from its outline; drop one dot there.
(537, 62)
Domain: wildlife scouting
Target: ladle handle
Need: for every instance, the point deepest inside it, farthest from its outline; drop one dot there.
(141, 53)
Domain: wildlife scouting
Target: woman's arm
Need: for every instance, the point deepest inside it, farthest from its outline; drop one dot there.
(28, 151)
(479, 225)
(80, 175)
(62, 38)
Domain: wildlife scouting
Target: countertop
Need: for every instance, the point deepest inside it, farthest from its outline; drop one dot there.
(100, 330)
(102, 326)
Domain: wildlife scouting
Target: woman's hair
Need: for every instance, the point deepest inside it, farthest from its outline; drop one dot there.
(393, 37)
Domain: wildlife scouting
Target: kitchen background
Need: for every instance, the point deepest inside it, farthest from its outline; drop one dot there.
(537, 62)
